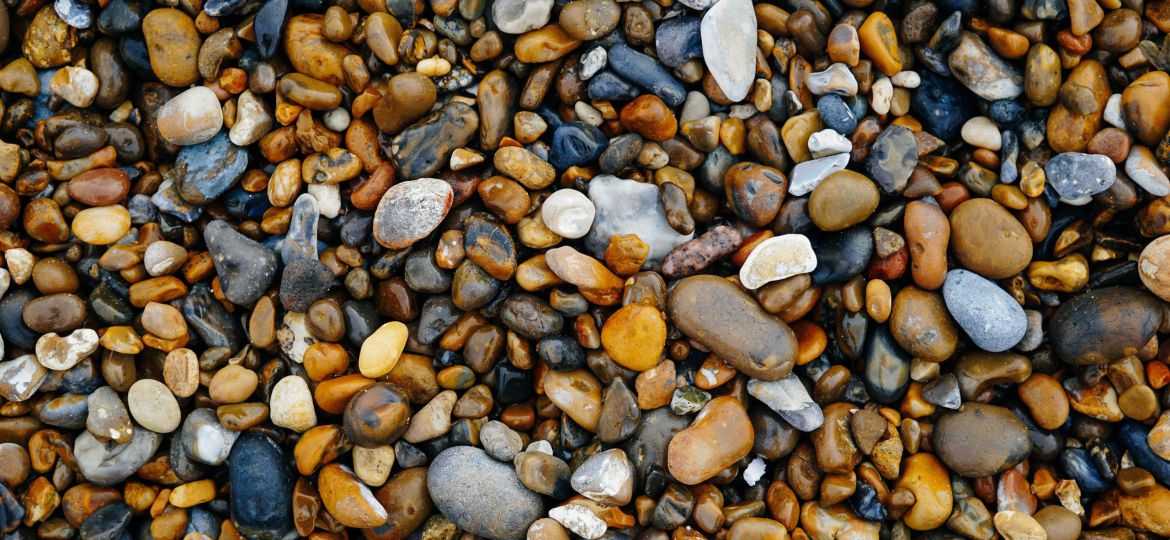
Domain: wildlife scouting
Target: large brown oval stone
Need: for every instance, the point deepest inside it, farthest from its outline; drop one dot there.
(1103, 325)
(988, 241)
(981, 440)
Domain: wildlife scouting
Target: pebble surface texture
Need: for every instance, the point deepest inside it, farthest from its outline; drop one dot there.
(598, 269)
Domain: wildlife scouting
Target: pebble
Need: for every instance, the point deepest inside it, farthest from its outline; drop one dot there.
(1076, 176)
(629, 207)
(778, 258)
(981, 131)
(606, 477)
(78, 86)
(109, 464)
(720, 435)
(1145, 172)
(568, 213)
(245, 267)
(982, 71)
(262, 487)
(788, 398)
(993, 320)
(1099, 325)
(410, 211)
(520, 16)
(824, 143)
(291, 404)
(205, 439)
(153, 406)
(892, 158)
(728, 34)
(958, 444)
(807, 175)
(836, 79)
(460, 478)
(191, 117)
(62, 353)
(579, 520)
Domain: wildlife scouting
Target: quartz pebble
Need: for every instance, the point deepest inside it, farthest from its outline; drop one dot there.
(778, 258)
(568, 212)
(988, 314)
(191, 117)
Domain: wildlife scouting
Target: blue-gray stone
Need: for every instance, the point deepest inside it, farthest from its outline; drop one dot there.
(988, 314)
(1076, 176)
(121, 16)
(621, 153)
(301, 240)
(208, 169)
(74, 13)
(1008, 154)
(1133, 437)
(677, 40)
(892, 158)
(16, 334)
(268, 23)
(209, 320)
(836, 114)
(943, 105)
(244, 266)
(107, 523)
(141, 210)
(262, 487)
(842, 255)
(647, 73)
(220, 8)
(303, 282)
(1006, 112)
(1078, 464)
(576, 143)
(462, 478)
(607, 85)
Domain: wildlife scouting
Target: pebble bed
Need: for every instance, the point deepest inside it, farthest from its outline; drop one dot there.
(553, 269)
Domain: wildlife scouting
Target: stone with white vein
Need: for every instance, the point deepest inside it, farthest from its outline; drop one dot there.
(1143, 169)
(606, 477)
(728, 32)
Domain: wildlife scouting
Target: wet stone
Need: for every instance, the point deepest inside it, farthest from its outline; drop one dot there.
(245, 268)
(960, 446)
(461, 477)
(1076, 176)
(987, 313)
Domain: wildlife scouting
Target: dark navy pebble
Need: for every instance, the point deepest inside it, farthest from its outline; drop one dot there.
(647, 73)
(576, 143)
(678, 40)
(836, 114)
(943, 105)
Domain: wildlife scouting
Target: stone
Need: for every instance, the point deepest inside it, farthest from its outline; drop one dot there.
(630, 207)
(205, 439)
(943, 105)
(520, 16)
(728, 33)
(262, 487)
(1144, 106)
(291, 404)
(107, 464)
(173, 43)
(568, 213)
(988, 240)
(892, 158)
(965, 450)
(835, 79)
(410, 211)
(824, 143)
(606, 477)
(500, 441)
(153, 406)
(348, 500)
(720, 435)
(648, 74)
(61, 353)
(716, 313)
(1142, 168)
(460, 478)
(635, 336)
(679, 39)
(982, 71)
(807, 175)
(580, 520)
(1076, 176)
(924, 476)
(191, 117)
(252, 122)
(982, 132)
(245, 267)
(789, 399)
(879, 42)
(206, 170)
(21, 377)
(78, 86)
(381, 351)
(1102, 325)
(424, 148)
(987, 313)
(778, 258)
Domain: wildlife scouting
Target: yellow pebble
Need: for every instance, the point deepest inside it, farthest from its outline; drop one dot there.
(380, 351)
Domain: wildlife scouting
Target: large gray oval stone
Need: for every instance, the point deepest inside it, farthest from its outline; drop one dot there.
(987, 313)
(481, 495)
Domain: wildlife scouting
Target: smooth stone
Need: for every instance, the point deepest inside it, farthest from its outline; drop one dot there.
(679, 39)
(410, 211)
(807, 175)
(835, 80)
(943, 105)
(576, 143)
(520, 16)
(1075, 175)
(424, 148)
(568, 213)
(842, 255)
(461, 478)
(982, 132)
(720, 436)
(982, 71)
(790, 399)
(253, 121)
(1102, 325)
(960, 440)
(892, 158)
(262, 487)
(991, 317)
(245, 267)
(109, 463)
(62, 353)
(778, 258)
(77, 86)
(21, 377)
(648, 74)
(1152, 266)
(1144, 170)
(500, 441)
(191, 117)
(153, 406)
(206, 170)
(348, 500)
(716, 313)
(988, 240)
(836, 114)
(606, 477)
(821, 144)
(728, 33)
(205, 439)
(630, 207)
(291, 404)
(580, 520)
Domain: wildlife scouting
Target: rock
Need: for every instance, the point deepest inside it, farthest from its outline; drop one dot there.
(173, 43)
(101, 226)
(630, 207)
(21, 377)
(959, 440)
(1152, 264)
(262, 487)
(253, 121)
(987, 313)
(348, 500)
(729, 47)
(154, 406)
(109, 463)
(191, 117)
(78, 86)
(982, 132)
(719, 436)
(943, 105)
(789, 399)
(982, 71)
(925, 477)
(824, 143)
(836, 114)
(61, 353)
(423, 149)
(892, 158)
(520, 16)
(460, 478)
(205, 439)
(879, 42)
(716, 313)
(291, 404)
(577, 393)
(500, 441)
(842, 200)
(409, 96)
(989, 241)
(1018, 525)
(679, 39)
(1102, 325)
(208, 169)
(107, 523)
(778, 258)
(648, 74)
(579, 520)
(807, 175)
(920, 324)
(245, 267)
(568, 213)
(432, 420)
(1077, 176)
(606, 477)
(635, 336)
(1145, 172)
(576, 143)
(1144, 104)
(410, 211)
(695, 255)
(836, 80)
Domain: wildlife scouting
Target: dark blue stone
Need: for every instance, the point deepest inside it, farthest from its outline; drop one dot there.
(677, 40)
(220, 8)
(268, 24)
(561, 353)
(513, 385)
(943, 105)
(82, 378)
(74, 13)
(842, 255)
(968, 7)
(210, 321)
(576, 143)
(361, 319)
(865, 502)
(887, 367)
(836, 114)
(93, 275)
(107, 523)
(1077, 463)
(1006, 112)
(647, 73)
(121, 16)
(244, 266)
(208, 169)
(1133, 438)
(262, 487)
(245, 204)
(607, 85)
(132, 49)
(16, 334)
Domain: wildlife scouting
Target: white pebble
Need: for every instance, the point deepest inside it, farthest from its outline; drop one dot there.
(836, 79)
(1113, 113)
(568, 212)
(252, 120)
(881, 94)
(328, 199)
(906, 79)
(807, 175)
(292, 404)
(593, 62)
(588, 114)
(981, 131)
(778, 258)
(20, 262)
(754, 471)
(153, 406)
(1143, 169)
(579, 520)
(78, 86)
(191, 117)
(742, 111)
(337, 119)
(695, 107)
(828, 142)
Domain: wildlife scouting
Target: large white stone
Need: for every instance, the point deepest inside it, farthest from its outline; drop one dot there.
(568, 212)
(729, 36)
(292, 404)
(1143, 169)
(807, 175)
(629, 207)
(191, 117)
(519, 16)
(253, 121)
(778, 258)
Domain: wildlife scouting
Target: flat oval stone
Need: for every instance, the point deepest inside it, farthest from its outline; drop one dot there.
(728, 34)
(721, 435)
(262, 487)
(107, 464)
(461, 478)
(190, 117)
(988, 240)
(410, 211)
(960, 440)
(154, 406)
(1076, 176)
(424, 148)
(988, 314)
(1103, 325)
(716, 313)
